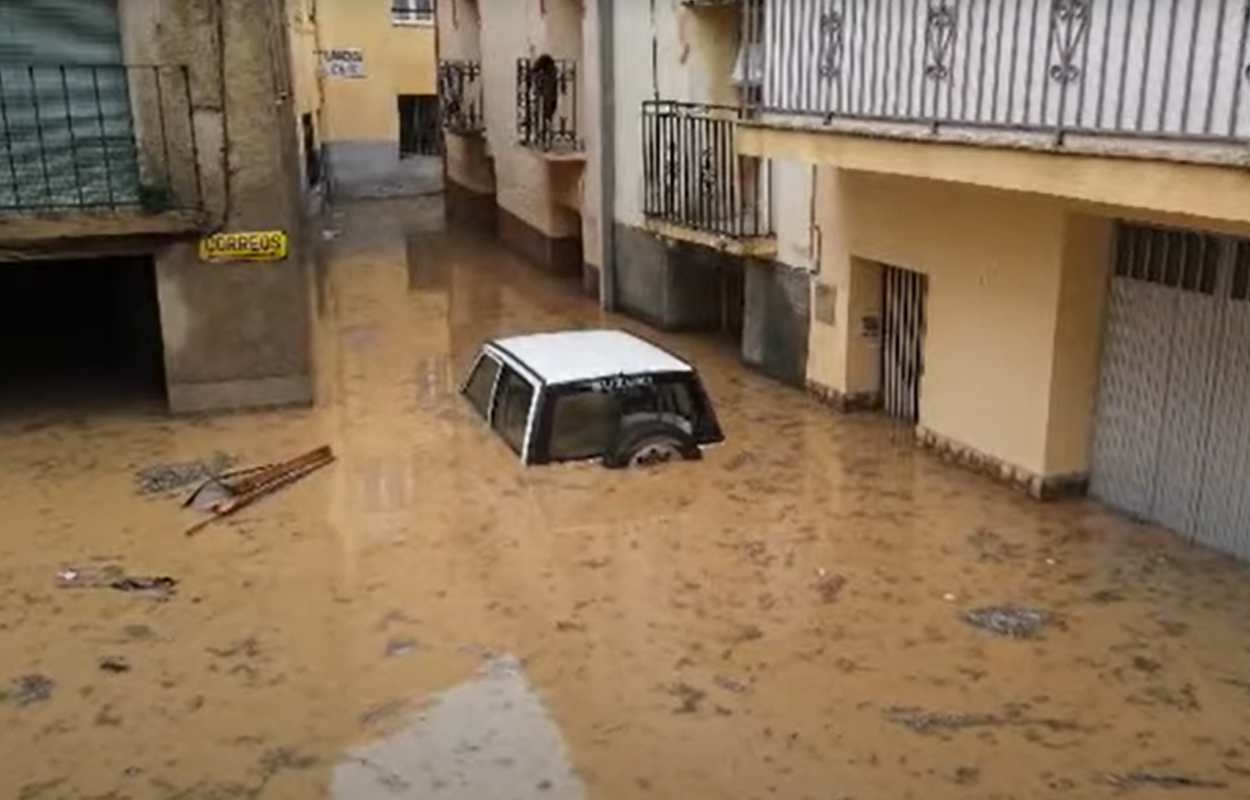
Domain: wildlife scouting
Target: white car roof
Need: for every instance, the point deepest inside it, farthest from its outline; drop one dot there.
(572, 356)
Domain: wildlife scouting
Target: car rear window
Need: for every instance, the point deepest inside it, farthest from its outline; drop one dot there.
(482, 383)
(583, 425)
(512, 408)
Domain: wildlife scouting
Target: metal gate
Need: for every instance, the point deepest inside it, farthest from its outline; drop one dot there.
(902, 351)
(1172, 441)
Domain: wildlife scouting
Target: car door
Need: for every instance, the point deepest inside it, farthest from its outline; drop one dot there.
(514, 402)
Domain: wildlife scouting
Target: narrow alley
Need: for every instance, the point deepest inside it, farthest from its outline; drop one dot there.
(791, 617)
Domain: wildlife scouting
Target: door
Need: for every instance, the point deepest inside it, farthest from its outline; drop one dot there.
(420, 131)
(1172, 436)
(902, 350)
(66, 130)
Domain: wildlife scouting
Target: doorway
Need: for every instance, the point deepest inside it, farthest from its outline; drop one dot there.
(902, 350)
(420, 130)
(80, 335)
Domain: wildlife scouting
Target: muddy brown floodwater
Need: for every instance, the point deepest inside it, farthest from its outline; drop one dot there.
(425, 619)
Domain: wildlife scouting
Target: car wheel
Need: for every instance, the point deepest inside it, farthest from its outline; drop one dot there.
(650, 444)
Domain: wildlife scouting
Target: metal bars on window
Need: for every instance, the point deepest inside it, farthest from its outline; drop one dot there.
(693, 176)
(1163, 69)
(97, 136)
(461, 97)
(546, 104)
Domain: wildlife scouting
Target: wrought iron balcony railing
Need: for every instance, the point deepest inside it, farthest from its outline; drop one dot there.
(97, 137)
(546, 104)
(460, 94)
(1158, 69)
(693, 176)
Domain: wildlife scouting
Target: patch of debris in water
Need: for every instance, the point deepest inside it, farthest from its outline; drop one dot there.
(1014, 621)
(162, 478)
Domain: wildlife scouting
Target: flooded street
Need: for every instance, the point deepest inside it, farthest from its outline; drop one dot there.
(791, 617)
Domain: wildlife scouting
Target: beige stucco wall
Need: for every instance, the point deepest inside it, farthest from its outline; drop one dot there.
(399, 59)
(1084, 282)
(994, 265)
(528, 185)
(695, 52)
(1154, 188)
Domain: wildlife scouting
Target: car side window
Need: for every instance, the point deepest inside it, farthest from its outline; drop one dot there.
(512, 408)
(584, 423)
(482, 383)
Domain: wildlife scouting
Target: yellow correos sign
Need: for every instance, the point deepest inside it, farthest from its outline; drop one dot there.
(246, 246)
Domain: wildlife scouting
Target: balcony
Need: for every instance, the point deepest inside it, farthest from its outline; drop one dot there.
(1151, 77)
(112, 146)
(460, 94)
(696, 186)
(546, 108)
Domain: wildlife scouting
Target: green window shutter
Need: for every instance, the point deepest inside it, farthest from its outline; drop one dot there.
(65, 117)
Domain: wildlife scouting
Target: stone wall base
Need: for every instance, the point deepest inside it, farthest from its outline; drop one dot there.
(191, 398)
(844, 402)
(469, 208)
(590, 280)
(562, 256)
(1050, 487)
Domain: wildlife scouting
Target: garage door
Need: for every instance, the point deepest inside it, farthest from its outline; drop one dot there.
(66, 132)
(1172, 443)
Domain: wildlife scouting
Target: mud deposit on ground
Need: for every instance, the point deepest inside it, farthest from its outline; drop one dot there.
(425, 619)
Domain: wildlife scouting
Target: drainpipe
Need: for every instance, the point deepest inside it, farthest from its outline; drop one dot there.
(607, 157)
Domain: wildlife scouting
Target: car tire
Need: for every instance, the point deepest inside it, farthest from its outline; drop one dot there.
(647, 444)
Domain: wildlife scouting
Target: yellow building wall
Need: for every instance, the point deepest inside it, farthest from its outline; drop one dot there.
(1084, 284)
(994, 265)
(398, 59)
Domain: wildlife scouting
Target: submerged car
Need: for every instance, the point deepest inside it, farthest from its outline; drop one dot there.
(598, 394)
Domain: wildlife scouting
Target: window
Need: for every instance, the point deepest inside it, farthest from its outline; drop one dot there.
(512, 409)
(412, 12)
(482, 383)
(420, 133)
(583, 425)
(312, 154)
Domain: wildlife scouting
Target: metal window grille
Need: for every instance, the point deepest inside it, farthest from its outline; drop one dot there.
(693, 175)
(460, 92)
(546, 104)
(107, 136)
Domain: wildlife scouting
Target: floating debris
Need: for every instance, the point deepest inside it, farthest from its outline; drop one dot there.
(1013, 621)
(114, 664)
(31, 689)
(731, 685)
(829, 587)
(936, 722)
(1138, 779)
(690, 697)
(163, 478)
(401, 647)
(241, 488)
(162, 585)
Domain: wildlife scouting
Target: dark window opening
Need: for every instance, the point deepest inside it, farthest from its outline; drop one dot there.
(80, 335)
(1176, 259)
(584, 424)
(1241, 273)
(312, 154)
(420, 131)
